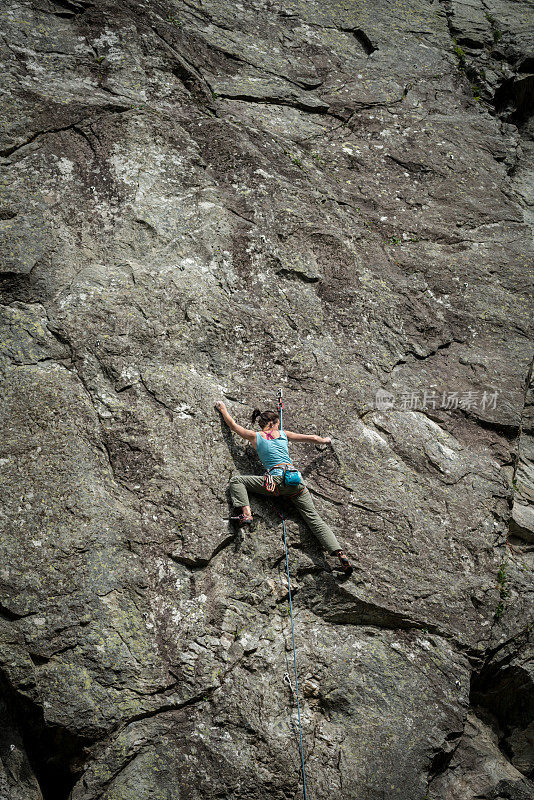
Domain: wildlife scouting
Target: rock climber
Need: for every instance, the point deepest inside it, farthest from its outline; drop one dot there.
(271, 444)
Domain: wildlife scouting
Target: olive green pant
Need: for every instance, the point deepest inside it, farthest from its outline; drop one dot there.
(303, 503)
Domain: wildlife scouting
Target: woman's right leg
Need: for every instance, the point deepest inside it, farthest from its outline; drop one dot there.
(304, 505)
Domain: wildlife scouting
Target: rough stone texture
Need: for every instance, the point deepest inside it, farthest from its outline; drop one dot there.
(206, 200)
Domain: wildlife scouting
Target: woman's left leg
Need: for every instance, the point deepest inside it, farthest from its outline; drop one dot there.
(239, 484)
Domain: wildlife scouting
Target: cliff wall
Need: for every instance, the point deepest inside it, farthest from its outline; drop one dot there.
(206, 200)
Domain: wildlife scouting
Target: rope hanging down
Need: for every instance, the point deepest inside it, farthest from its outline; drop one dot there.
(280, 409)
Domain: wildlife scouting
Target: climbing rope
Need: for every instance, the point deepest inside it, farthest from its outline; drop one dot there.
(280, 409)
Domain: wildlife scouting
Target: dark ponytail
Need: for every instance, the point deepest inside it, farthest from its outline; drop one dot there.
(264, 417)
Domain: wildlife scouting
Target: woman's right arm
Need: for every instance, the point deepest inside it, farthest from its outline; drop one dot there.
(247, 434)
(307, 437)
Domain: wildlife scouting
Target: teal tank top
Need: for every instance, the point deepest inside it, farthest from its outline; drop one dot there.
(273, 451)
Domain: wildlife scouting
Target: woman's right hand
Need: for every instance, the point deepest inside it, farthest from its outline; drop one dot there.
(220, 406)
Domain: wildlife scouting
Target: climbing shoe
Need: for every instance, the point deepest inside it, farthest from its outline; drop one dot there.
(346, 566)
(242, 519)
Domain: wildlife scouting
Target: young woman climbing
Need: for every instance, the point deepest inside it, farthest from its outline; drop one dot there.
(271, 444)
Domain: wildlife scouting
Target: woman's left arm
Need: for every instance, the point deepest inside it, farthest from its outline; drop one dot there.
(305, 437)
(247, 434)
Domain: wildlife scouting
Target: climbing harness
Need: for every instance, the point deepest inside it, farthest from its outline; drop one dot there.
(290, 477)
(286, 676)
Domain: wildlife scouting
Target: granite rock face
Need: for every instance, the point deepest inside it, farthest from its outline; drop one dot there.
(207, 200)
